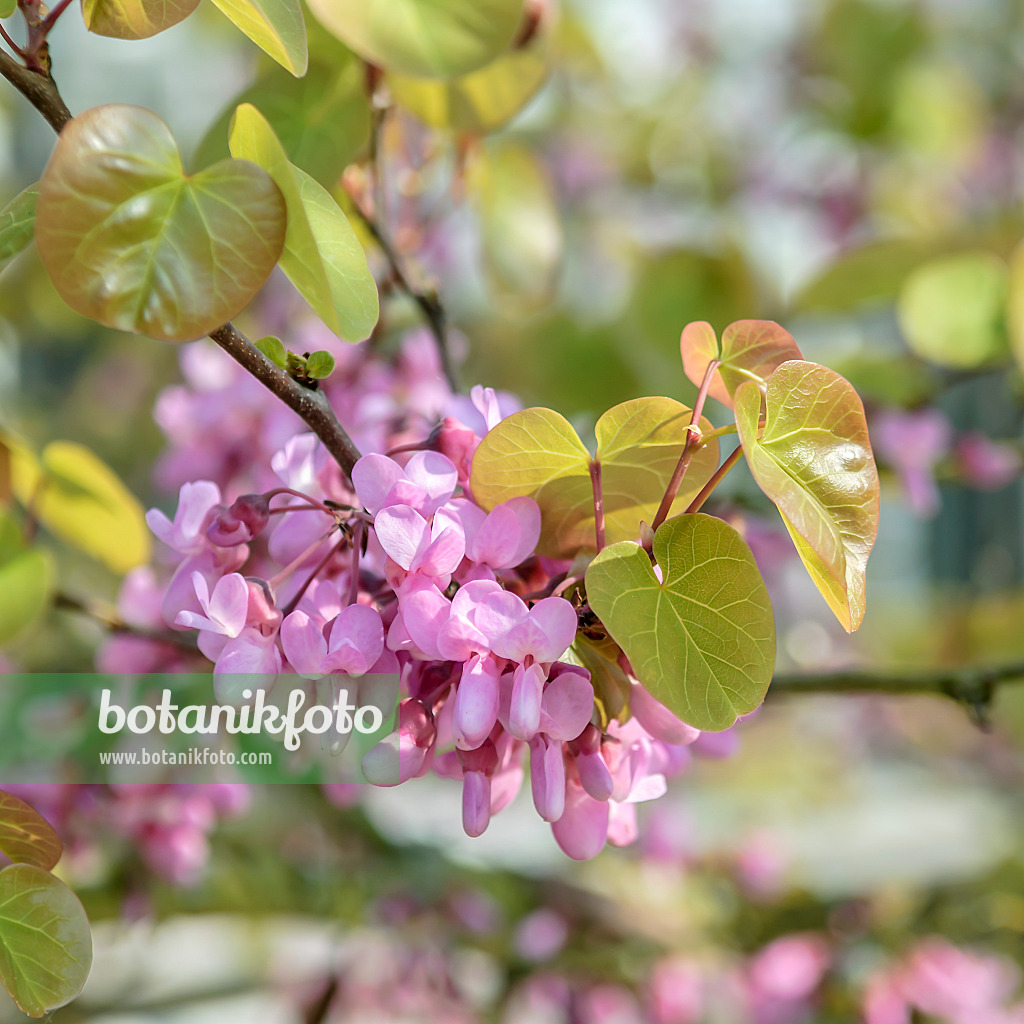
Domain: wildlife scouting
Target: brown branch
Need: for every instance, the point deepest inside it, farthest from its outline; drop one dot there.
(974, 687)
(39, 89)
(311, 405)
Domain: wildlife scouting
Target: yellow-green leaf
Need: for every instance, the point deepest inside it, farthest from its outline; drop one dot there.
(536, 453)
(814, 461)
(26, 837)
(275, 26)
(428, 38)
(751, 350)
(78, 497)
(132, 241)
(951, 310)
(45, 942)
(26, 589)
(1015, 305)
(480, 102)
(134, 19)
(322, 256)
(17, 224)
(701, 640)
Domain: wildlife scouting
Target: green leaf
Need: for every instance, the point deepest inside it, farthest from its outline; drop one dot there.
(26, 837)
(520, 225)
(951, 309)
(751, 350)
(26, 588)
(319, 365)
(814, 461)
(321, 119)
(8, 7)
(132, 241)
(703, 641)
(611, 684)
(322, 256)
(134, 19)
(80, 498)
(275, 26)
(273, 348)
(537, 453)
(480, 102)
(45, 942)
(428, 38)
(17, 224)
(1015, 305)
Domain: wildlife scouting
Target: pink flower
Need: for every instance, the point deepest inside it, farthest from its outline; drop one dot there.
(433, 549)
(425, 483)
(196, 507)
(913, 443)
(503, 537)
(987, 465)
(356, 642)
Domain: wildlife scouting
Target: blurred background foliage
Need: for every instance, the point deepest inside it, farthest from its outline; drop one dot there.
(851, 168)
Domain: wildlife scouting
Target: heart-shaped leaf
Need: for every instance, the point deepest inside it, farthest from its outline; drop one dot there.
(428, 38)
(26, 588)
(26, 837)
(321, 119)
(45, 942)
(537, 453)
(751, 350)
(275, 26)
(480, 102)
(17, 224)
(322, 256)
(134, 19)
(78, 497)
(951, 309)
(132, 241)
(703, 640)
(814, 461)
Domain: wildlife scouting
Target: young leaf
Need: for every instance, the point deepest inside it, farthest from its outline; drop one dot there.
(134, 19)
(275, 26)
(78, 497)
(45, 942)
(26, 588)
(703, 640)
(321, 119)
(480, 102)
(537, 453)
(132, 241)
(750, 349)
(428, 38)
(322, 256)
(319, 365)
(814, 461)
(951, 309)
(8, 7)
(17, 224)
(273, 348)
(26, 837)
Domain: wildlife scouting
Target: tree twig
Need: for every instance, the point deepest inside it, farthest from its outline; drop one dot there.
(428, 303)
(311, 405)
(39, 89)
(972, 686)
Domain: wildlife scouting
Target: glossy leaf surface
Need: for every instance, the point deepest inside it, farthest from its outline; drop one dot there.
(814, 461)
(134, 19)
(26, 837)
(277, 27)
(132, 241)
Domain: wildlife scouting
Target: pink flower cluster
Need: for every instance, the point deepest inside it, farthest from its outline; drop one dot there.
(399, 571)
